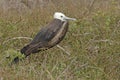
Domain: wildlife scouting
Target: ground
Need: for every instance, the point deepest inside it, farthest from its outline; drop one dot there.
(93, 42)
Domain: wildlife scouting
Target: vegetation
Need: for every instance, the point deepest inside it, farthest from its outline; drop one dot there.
(93, 42)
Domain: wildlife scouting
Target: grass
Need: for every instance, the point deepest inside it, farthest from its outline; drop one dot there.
(93, 42)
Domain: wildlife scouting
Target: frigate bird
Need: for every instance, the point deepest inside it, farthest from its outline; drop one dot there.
(48, 36)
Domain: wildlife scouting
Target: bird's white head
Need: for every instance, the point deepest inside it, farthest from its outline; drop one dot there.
(62, 17)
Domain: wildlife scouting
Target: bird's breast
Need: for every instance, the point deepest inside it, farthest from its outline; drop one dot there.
(60, 35)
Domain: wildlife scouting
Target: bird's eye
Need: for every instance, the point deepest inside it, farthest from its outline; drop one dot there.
(61, 16)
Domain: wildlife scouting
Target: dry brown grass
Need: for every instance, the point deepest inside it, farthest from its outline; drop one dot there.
(93, 41)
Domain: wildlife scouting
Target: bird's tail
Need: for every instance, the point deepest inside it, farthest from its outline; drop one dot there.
(27, 50)
(23, 51)
(15, 60)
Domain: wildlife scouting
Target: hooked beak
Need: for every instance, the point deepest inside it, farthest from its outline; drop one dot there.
(68, 18)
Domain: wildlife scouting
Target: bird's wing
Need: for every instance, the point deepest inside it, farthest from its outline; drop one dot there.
(47, 33)
(43, 37)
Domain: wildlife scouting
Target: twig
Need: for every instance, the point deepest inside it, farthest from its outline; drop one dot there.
(91, 5)
(66, 68)
(106, 40)
(14, 38)
(63, 49)
(116, 28)
(85, 13)
(100, 69)
(52, 78)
